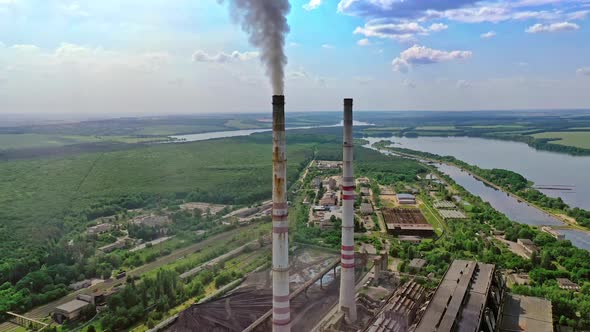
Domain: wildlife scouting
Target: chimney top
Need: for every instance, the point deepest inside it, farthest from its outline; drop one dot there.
(348, 101)
(278, 100)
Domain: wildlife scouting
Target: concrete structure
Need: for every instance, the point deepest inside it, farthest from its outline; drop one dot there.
(525, 313)
(329, 199)
(326, 164)
(281, 309)
(528, 246)
(366, 208)
(365, 191)
(151, 220)
(69, 311)
(406, 199)
(99, 229)
(347, 284)
(407, 222)
(400, 312)
(417, 264)
(565, 283)
(467, 299)
(553, 232)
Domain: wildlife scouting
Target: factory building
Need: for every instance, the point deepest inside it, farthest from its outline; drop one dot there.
(467, 299)
(407, 222)
(406, 199)
(526, 314)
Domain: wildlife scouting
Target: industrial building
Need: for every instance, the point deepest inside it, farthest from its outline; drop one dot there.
(70, 310)
(99, 229)
(366, 209)
(407, 222)
(526, 314)
(565, 283)
(400, 311)
(406, 199)
(467, 299)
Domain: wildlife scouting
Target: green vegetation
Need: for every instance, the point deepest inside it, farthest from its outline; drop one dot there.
(28, 141)
(578, 139)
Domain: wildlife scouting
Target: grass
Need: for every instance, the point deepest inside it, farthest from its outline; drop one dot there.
(579, 139)
(28, 141)
(37, 194)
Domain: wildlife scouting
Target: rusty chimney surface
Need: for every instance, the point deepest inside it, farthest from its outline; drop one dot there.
(281, 317)
(347, 282)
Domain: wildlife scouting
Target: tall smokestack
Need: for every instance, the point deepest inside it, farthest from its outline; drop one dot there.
(347, 285)
(281, 311)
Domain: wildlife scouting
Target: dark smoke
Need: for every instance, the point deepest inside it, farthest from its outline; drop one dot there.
(266, 23)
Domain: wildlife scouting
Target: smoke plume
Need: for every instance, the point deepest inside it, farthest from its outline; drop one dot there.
(265, 21)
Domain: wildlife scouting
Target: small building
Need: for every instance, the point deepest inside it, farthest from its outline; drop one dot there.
(69, 311)
(119, 244)
(565, 283)
(444, 205)
(528, 246)
(329, 199)
(80, 285)
(526, 314)
(417, 264)
(366, 209)
(410, 239)
(153, 220)
(99, 229)
(406, 199)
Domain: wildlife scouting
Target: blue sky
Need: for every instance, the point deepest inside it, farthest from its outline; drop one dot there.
(180, 56)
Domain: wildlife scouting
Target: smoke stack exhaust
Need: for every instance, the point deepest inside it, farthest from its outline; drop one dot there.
(347, 284)
(281, 310)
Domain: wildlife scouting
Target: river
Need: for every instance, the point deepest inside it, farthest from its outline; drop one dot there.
(545, 169)
(517, 211)
(246, 132)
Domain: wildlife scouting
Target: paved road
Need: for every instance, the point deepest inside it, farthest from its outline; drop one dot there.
(44, 310)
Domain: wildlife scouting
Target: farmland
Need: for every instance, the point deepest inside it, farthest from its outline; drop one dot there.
(579, 139)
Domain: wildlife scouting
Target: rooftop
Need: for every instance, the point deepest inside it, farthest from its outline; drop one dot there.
(460, 298)
(72, 306)
(526, 313)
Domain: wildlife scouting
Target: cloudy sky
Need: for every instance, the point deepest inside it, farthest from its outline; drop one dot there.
(186, 56)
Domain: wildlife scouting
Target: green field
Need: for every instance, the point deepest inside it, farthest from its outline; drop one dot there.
(27, 141)
(500, 126)
(37, 194)
(437, 128)
(579, 139)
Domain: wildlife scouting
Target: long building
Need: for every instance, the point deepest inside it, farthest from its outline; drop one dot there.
(468, 299)
(407, 222)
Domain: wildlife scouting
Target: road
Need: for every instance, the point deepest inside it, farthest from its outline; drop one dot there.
(43, 311)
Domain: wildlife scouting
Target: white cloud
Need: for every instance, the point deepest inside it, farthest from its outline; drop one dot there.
(553, 27)
(421, 55)
(403, 32)
(26, 48)
(463, 84)
(327, 46)
(293, 44)
(488, 35)
(222, 57)
(583, 71)
(364, 42)
(312, 4)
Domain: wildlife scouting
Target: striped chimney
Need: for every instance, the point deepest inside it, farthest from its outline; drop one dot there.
(281, 311)
(347, 284)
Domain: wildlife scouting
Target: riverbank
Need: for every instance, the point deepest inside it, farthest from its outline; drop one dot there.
(563, 218)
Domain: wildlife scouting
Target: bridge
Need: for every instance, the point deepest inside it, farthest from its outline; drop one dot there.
(28, 323)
